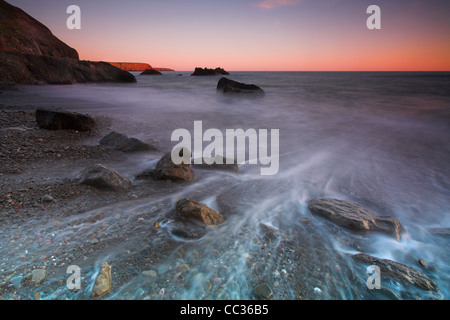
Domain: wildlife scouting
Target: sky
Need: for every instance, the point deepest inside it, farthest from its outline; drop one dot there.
(255, 35)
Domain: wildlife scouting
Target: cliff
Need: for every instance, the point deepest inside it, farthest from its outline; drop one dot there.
(31, 54)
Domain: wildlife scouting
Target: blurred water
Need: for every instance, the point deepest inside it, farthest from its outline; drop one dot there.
(378, 139)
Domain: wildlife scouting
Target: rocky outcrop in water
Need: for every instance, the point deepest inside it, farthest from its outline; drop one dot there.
(102, 177)
(209, 72)
(167, 170)
(31, 54)
(151, 72)
(230, 86)
(64, 120)
(399, 271)
(354, 217)
(119, 141)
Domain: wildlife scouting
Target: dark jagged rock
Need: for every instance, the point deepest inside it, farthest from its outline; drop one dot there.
(102, 177)
(119, 141)
(31, 54)
(354, 217)
(230, 86)
(191, 209)
(63, 120)
(151, 72)
(209, 72)
(218, 164)
(167, 170)
(399, 271)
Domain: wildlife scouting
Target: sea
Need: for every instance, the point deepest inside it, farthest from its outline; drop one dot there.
(378, 139)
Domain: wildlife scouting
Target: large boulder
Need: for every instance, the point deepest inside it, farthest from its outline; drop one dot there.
(167, 170)
(31, 54)
(63, 120)
(354, 217)
(399, 271)
(191, 209)
(230, 86)
(119, 141)
(102, 177)
(209, 72)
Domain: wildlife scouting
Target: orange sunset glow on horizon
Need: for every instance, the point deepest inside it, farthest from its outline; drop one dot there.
(269, 35)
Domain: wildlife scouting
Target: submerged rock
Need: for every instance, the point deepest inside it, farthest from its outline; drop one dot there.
(102, 177)
(151, 72)
(219, 163)
(399, 271)
(209, 72)
(198, 211)
(63, 120)
(230, 86)
(102, 284)
(188, 230)
(167, 170)
(354, 217)
(119, 141)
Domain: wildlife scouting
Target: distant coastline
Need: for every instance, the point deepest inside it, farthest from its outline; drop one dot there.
(136, 66)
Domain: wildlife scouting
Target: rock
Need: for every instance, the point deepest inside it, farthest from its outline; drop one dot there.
(354, 217)
(38, 276)
(198, 211)
(188, 230)
(16, 282)
(119, 141)
(151, 72)
(399, 271)
(209, 72)
(422, 262)
(63, 120)
(219, 163)
(31, 54)
(102, 284)
(102, 177)
(269, 233)
(230, 86)
(47, 198)
(263, 291)
(167, 170)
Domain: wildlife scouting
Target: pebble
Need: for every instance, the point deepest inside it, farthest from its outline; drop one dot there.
(150, 274)
(264, 291)
(47, 198)
(38, 275)
(422, 262)
(16, 281)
